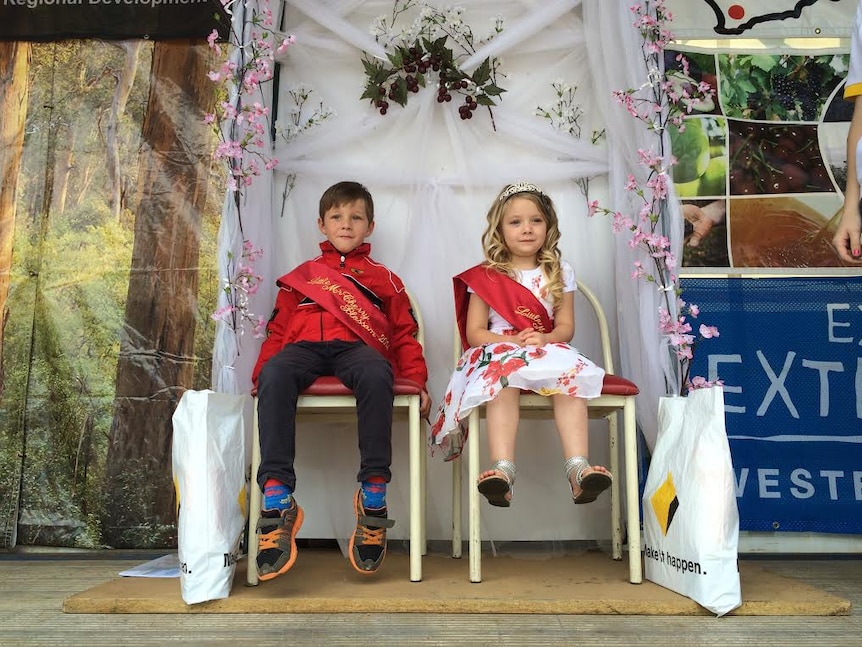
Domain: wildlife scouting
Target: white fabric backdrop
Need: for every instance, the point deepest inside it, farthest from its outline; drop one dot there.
(433, 177)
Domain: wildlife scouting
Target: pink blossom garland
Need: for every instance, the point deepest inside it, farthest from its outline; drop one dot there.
(241, 124)
(657, 104)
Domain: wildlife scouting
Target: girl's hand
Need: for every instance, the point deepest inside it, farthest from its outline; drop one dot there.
(532, 337)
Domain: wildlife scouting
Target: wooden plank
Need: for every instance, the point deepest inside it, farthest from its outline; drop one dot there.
(34, 590)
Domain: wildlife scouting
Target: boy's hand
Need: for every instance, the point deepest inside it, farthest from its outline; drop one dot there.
(424, 404)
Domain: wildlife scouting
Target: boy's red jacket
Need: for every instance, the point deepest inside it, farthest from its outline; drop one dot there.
(296, 318)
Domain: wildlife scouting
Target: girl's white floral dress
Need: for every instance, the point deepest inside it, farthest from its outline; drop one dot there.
(481, 372)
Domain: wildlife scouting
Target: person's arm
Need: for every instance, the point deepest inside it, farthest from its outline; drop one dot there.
(564, 325)
(407, 350)
(847, 236)
(285, 302)
(477, 324)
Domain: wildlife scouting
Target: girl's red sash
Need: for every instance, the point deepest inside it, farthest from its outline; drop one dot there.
(515, 303)
(333, 292)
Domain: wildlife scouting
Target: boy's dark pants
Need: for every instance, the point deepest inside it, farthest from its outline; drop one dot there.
(284, 376)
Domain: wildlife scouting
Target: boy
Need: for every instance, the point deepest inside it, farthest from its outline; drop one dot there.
(346, 315)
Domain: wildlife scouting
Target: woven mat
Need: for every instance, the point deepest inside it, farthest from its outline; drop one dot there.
(322, 581)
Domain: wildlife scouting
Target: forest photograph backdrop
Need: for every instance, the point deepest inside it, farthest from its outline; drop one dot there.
(118, 205)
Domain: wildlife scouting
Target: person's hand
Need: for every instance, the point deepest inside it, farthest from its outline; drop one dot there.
(424, 404)
(847, 236)
(703, 219)
(532, 337)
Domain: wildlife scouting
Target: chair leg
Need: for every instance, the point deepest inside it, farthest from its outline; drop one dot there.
(632, 502)
(457, 537)
(423, 483)
(616, 510)
(254, 504)
(473, 497)
(416, 490)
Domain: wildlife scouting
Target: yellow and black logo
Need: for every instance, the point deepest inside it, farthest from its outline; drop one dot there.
(665, 503)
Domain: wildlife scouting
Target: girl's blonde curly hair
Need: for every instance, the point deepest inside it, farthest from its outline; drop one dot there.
(497, 255)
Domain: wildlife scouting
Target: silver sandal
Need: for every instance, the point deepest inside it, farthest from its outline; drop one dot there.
(496, 487)
(592, 484)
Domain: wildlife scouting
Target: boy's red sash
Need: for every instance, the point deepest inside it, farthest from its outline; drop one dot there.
(340, 297)
(515, 303)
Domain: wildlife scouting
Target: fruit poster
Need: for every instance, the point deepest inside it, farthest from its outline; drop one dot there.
(761, 165)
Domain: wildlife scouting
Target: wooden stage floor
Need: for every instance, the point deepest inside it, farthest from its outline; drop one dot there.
(34, 586)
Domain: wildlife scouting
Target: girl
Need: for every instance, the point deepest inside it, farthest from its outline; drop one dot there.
(516, 317)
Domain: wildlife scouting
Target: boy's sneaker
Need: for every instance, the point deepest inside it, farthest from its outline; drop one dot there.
(277, 541)
(368, 543)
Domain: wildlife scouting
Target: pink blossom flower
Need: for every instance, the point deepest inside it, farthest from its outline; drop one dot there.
(708, 332)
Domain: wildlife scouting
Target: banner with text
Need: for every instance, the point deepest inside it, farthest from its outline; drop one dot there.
(790, 355)
(48, 20)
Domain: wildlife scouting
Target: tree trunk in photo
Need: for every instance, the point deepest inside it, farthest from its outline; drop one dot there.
(155, 364)
(125, 80)
(63, 169)
(14, 94)
(85, 181)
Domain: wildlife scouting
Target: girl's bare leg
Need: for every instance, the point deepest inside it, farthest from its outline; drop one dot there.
(502, 416)
(572, 421)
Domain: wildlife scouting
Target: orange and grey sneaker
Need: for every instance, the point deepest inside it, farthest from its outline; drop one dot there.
(368, 543)
(277, 541)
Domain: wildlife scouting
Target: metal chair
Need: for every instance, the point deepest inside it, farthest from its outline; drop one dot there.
(618, 396)
(328, 400)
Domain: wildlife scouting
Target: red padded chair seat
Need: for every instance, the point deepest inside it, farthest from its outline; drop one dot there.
(612, 385)
(331, 385)
(616, 385)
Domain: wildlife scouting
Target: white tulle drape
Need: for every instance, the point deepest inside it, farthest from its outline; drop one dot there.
(433, 177)
(246, 216)
(644, 354)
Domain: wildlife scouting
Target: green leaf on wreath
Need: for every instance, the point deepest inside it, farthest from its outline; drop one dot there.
(371, 92)
(484, 100)
(375, 72)
(493, 90)
(370, 67)
(400, 91)
(482, 73)
(404, 52)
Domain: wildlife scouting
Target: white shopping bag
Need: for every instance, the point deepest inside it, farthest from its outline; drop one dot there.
(211, 463)
(691, 520)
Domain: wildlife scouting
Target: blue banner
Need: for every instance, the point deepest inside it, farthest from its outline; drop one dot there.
(790, 356)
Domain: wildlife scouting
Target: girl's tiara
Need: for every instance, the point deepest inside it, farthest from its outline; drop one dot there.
(520, 187)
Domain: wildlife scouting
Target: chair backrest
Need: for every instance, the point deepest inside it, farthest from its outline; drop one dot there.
(601, 320)
(417, 313)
